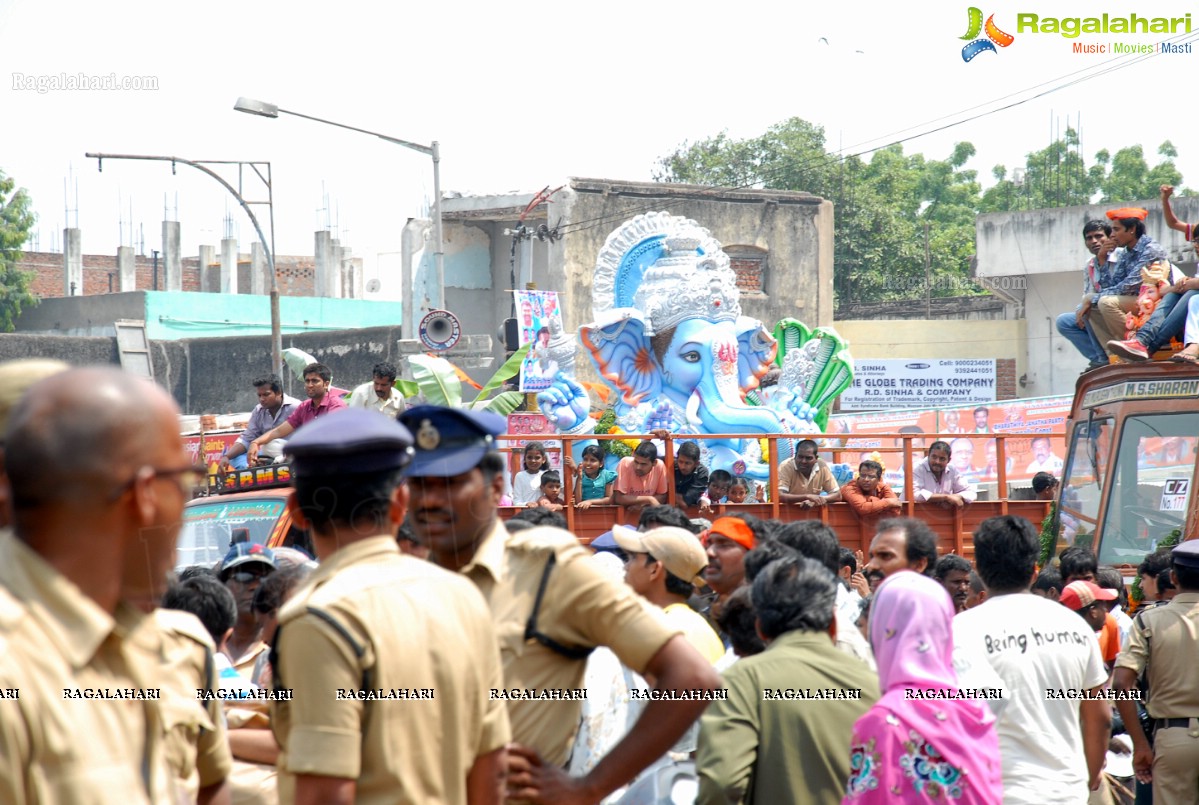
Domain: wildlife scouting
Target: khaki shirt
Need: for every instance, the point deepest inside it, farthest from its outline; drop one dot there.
(581, 608)
(1164, 644)
(56, 747)
(180, 651)
(373, 621)
(821, 479)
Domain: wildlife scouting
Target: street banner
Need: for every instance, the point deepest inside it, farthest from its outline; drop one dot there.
(882, 384)
(538, 317)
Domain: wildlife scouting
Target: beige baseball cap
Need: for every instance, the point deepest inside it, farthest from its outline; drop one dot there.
(679, 551)
(17, 376)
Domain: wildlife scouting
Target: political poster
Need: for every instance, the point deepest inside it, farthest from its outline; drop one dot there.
(1034, 437)
(537, 318)
(528, 427)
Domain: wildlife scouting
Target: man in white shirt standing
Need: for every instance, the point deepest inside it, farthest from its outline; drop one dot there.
(380, 394)
(1052, 733)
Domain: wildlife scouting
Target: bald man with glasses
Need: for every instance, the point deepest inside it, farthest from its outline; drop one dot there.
(98, 691)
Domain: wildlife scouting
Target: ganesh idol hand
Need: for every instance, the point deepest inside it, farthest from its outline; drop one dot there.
(565, 403)
(660, 419)
(801, 410)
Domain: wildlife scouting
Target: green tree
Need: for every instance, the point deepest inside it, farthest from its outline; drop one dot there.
(1055, 176)
(16, 219)
(881, 205)
(1058, 176)
(1129, 177)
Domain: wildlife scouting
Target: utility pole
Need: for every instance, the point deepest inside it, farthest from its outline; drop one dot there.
(928, 275)
(263, 171)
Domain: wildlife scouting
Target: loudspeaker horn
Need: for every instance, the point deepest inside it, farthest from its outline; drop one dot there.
(439, 330)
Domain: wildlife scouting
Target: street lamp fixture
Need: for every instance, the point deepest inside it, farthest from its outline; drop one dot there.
(263, 109)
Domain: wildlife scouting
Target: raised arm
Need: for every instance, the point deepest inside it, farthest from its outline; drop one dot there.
(1168, 212)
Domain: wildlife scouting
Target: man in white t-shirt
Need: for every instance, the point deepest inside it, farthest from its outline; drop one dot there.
(1051, 740)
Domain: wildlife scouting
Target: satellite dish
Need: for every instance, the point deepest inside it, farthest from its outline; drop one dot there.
(373, 286)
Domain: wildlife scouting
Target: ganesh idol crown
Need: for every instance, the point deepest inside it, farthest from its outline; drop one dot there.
(669, 337)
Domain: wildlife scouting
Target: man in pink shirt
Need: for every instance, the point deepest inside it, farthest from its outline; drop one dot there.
(317, 380)
(640, 480)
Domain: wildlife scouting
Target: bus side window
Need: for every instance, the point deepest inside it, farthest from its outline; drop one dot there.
(299, 538)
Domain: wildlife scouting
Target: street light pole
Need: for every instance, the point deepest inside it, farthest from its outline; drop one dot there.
(263, 109)
(202, 165)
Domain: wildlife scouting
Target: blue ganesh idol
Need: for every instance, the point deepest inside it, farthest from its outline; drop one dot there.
(669, 337)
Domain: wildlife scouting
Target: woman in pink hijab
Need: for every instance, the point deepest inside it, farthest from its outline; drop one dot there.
(919, 743)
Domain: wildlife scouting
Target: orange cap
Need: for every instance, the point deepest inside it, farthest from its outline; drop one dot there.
(1128, 212)
(735, 529)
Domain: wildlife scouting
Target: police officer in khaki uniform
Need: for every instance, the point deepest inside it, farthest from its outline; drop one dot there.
(1164, 645)
(86, 697)
(176, 651)
(389, 660)
(551, 607)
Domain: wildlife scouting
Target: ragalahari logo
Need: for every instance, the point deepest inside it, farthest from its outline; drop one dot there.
(979, 45)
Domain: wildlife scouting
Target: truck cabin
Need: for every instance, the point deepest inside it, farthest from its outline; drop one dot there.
(1133, 434)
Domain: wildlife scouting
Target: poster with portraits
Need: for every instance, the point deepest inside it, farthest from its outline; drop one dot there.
(538, 317)
(1035, 438)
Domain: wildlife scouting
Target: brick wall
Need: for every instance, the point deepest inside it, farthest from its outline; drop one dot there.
(749, 273)
(296, 274)
(1006, 387)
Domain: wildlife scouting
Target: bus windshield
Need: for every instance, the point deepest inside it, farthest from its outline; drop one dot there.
(209, 528)
(1086, 468)
(1150, 485)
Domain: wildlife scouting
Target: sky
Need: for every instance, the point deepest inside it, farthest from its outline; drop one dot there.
(521, 96)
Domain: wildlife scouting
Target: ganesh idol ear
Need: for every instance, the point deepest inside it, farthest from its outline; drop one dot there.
(756, 349)
(621, 350)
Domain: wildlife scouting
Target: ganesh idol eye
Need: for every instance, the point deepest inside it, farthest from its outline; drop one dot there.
(691, 356)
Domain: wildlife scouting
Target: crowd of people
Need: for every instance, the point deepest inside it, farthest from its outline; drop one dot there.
(1134, 301)
(432, 653)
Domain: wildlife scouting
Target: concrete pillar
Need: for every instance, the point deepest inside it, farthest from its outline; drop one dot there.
(127, 269)
(72, 262)
(172, 259)
(324, 264)
(357, 283)
(345, 282)
(260, 270)
(335, 270)
(228, 265)
(210, 280)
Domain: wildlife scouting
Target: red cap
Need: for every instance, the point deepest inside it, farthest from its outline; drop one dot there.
(1128, 212)
(1081, 594)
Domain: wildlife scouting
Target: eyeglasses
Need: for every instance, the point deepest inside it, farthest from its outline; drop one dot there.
(862, 477)
(247, 576)
(188, 477)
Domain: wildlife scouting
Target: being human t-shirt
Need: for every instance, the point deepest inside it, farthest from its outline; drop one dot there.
(1042, 651)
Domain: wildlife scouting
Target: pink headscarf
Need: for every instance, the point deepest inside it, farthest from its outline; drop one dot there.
(912, 636)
